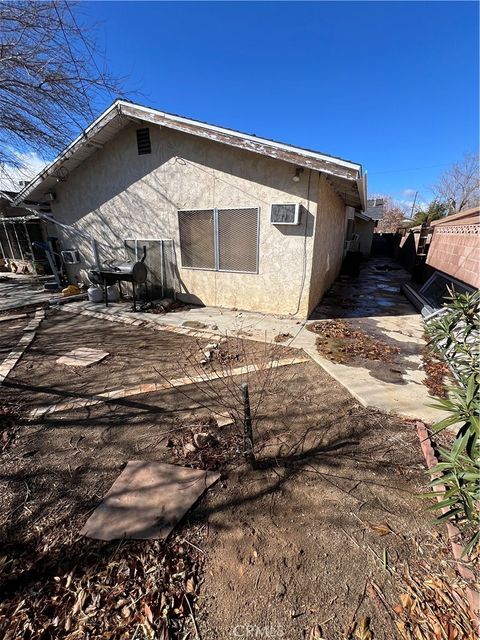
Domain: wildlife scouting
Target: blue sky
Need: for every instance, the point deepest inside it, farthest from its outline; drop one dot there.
(393, 85)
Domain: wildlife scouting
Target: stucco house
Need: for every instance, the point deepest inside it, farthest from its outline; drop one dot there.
(230, 219)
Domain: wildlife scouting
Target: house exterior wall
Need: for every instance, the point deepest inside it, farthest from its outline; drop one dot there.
(117, 194)
(329, 241)
(455, 247)
(365, 229)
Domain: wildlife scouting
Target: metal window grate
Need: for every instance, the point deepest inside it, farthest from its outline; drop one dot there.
(197, 238)
(143, 141)
(220, 239)
(238, 240)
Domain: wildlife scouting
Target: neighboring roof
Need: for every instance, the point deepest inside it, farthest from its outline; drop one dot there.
(406, 222)
(363, 216)
(375, 208)
(345, 177)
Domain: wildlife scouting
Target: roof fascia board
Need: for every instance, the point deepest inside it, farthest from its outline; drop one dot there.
(309, 159)
(276, 150)
(82, 139)
(242, 136)
(362, 190)
(362, 216)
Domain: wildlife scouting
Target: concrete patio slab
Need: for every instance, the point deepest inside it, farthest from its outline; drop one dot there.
(11, 317)
(82, 357)
(147, 500)
(210, 322)
(361, 301)
(373, 301)
(18, 291)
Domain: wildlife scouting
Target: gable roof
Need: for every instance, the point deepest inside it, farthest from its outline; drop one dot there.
(375, 209)
(345, 176)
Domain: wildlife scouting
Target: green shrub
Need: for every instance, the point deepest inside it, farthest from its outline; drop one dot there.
(455, 336)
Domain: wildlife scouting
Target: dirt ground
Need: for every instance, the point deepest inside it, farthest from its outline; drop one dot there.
(327, 519)
(10, 332)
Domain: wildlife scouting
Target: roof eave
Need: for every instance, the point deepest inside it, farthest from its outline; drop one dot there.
(87, 135)
(335, 167)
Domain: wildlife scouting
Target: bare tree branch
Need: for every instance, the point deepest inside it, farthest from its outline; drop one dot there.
(459, 186)
(393, 217)
(50, 80)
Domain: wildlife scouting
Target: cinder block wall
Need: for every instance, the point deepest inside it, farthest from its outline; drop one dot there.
(456, 251)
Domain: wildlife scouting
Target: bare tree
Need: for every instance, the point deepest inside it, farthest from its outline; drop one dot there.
(393, 217)
(459, 186)
(50, 78)
(231, 377)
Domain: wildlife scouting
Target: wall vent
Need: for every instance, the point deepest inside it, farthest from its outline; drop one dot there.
(143, 141)
(285, 214)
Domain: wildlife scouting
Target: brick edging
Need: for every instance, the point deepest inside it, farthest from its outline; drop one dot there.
(14, 356)
(145, 323)
(473, 597)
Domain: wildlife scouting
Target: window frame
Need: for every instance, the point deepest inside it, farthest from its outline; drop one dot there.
(216, 243)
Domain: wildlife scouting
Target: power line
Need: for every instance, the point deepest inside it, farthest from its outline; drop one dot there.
(73, 59)
(89, 51)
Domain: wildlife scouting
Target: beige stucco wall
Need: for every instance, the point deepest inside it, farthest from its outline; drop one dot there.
(365, 229)
(117, 194)
(329, 241)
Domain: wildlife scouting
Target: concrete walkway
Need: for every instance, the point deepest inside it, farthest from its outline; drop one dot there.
(372, 301)
(18, 291)
(373, 304)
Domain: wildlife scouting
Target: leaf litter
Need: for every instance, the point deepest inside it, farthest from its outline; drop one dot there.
(202, 444)
(341, 342)
(433, 607)
(88, 589)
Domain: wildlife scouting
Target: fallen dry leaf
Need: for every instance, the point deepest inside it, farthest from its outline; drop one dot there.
(382, 529)
(148, 612)
(315, 633)
(407, 602)
(190, 586)
(363, 631)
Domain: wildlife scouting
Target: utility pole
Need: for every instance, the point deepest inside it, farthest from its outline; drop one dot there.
(413, 205)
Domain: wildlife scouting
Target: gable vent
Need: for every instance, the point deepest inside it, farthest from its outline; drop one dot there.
(143, 141)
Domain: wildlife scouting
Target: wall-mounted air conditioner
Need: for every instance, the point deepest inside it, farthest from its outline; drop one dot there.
(285, 214)
(71, 257)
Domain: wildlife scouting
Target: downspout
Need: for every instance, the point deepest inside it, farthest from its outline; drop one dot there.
(362, 190)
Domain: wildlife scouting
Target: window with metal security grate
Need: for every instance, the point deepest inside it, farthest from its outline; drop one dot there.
(197, 239)
(220, 239)
(143, 141)
(237, 240)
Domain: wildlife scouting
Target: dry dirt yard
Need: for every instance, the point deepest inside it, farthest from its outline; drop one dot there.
(325, 531)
